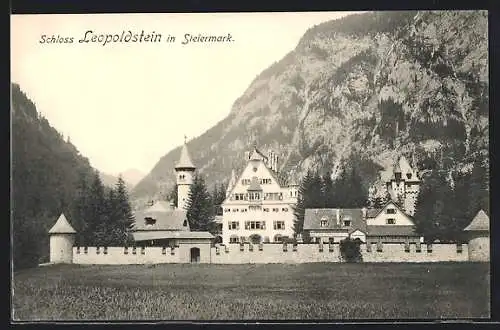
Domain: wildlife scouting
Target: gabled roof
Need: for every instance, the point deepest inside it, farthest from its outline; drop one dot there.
(481, 222)
(390, 230)
(372, 213)
(62, 226)
(254, 184)
(166, 218)
(313, 217)
(255, 153)
(185, 159)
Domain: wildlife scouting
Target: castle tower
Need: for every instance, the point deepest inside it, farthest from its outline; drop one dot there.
(184, 172)
(62, 238)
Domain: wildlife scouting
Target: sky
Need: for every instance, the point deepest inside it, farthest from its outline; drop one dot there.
(125, 105)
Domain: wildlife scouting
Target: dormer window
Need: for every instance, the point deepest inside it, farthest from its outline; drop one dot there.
(323, 223)
(182, 177)
(408, 175)
(347, 223)
(149, 221)
(185, 223)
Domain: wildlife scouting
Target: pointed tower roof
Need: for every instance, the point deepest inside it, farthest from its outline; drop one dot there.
(185, 159)
(481, 222)
(62, 226)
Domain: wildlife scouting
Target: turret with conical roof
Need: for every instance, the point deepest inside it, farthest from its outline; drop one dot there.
(62, 238)
(184, 171)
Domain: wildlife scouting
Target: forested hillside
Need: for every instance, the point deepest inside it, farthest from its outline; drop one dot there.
(48, 176)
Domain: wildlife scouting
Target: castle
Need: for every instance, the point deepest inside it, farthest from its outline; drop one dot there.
(259, 209)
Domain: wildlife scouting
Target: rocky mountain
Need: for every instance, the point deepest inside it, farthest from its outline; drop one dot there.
(358, 91)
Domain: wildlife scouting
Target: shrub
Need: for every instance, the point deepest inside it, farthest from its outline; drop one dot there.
(350, 250)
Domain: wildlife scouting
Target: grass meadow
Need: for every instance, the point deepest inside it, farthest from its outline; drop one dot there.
(330, 291)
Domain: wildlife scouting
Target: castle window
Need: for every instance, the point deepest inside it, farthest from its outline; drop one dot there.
(391, 211)
(255, 225)
(391, 221)
(323, 223)
(149, 221)
(279, 225)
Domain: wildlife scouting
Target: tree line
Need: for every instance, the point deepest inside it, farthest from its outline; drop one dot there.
(321, 191)
(102, 218)
(443, 208)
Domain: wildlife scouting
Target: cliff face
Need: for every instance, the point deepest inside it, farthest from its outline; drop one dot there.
(368, 88)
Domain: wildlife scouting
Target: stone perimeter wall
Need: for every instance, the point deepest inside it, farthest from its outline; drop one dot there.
(271, 253)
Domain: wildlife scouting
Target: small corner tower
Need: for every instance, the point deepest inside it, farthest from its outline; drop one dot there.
(62, 238)
(184, 172)
(478, 232)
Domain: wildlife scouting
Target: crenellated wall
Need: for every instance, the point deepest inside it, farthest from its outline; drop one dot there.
(270, 253)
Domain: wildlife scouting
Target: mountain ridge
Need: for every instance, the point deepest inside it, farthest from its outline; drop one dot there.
(369, 86)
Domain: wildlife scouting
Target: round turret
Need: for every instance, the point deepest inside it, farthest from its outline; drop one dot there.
(62, 238)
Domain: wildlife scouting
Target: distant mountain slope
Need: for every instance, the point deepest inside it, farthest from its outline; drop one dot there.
(374, 85)
(132, 176)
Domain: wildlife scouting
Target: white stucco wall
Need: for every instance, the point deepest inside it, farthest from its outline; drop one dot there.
(61, 248)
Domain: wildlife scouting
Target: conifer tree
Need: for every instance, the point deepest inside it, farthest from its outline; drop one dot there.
(200, 212)
(96, 211)
(124, 215)
(303, 202)
(433, 215)
(478, 189)
(328, 191)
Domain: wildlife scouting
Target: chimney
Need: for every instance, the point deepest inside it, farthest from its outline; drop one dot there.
(338, 216)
